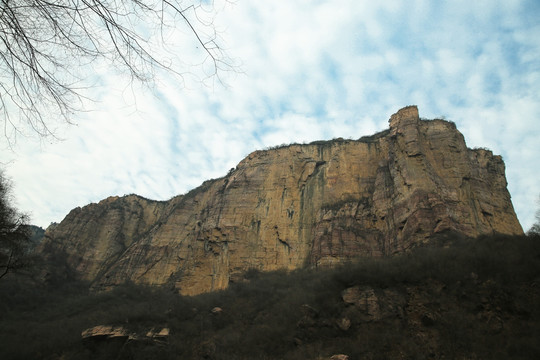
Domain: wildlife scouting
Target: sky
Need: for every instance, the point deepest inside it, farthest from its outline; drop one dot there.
(303, 71)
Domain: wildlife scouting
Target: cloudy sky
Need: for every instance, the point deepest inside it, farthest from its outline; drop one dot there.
(306, 70)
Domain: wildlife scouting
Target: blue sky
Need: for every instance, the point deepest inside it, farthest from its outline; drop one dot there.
(308, 70)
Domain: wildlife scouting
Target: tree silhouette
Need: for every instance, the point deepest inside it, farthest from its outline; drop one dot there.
(14, 232)
(535, 228)
(48, 48)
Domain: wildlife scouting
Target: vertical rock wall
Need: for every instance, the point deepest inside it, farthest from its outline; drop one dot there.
(298, 205)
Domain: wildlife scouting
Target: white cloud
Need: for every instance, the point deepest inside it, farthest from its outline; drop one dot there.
(310, 70)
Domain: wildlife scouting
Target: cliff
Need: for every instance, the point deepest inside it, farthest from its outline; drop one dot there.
(293, 206)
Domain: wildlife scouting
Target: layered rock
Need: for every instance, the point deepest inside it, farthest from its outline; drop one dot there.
(108, 333)
(294, 206)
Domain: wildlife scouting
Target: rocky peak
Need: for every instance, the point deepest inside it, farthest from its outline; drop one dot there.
(404, 117)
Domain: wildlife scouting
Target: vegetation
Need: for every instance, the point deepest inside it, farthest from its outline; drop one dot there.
(461, 298)
(327, 143)
(200, 189)
(441, 118)
(535, 228)
(15, 234)
(337, 205)
(374, 137)
(330, 142)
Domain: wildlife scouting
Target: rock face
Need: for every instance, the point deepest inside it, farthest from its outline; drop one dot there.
(298, 205)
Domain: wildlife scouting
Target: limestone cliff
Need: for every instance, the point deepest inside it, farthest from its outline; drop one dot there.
(294, 206)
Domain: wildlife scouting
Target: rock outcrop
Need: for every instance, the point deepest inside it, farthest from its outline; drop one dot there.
(298, 205)
(108, 333)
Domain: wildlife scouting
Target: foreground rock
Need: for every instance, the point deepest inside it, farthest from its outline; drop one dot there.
(339, 357)
(317, 204)
(108, 333)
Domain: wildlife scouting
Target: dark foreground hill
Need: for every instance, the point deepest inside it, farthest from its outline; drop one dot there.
(457, 298)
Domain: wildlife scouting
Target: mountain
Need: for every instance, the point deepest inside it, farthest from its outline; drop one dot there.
(293, 206)
(36, 235)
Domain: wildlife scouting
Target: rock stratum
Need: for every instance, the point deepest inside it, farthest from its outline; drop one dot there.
(317, 204)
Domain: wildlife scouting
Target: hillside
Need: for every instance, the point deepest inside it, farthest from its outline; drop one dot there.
(457, 298)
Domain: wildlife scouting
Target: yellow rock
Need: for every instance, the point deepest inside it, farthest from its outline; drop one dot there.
(298, 205)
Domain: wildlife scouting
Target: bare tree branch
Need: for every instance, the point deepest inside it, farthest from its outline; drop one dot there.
(14, 232)
(48, 46)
